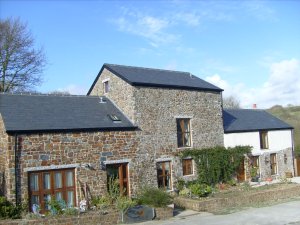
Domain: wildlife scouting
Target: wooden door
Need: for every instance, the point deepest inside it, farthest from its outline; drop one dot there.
(273, 164)
(241, 172)
(298, 166)
(118, 172)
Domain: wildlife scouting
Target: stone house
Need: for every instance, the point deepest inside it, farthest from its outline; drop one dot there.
(52, 145)
(174, 111)
(270, 137)
(131, 126)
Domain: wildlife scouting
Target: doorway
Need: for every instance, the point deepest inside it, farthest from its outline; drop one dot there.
(241, 172)
(117, 174)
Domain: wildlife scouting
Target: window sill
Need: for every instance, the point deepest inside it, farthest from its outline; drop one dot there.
(179, 148)
(188, 175)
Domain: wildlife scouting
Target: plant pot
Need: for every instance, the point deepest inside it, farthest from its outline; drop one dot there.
(288, 174)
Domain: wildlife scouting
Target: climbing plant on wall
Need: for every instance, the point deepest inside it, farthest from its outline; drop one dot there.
(218, 164)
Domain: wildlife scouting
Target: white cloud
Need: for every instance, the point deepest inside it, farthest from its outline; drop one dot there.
(259, 10)
(281, 88)
(149, 27)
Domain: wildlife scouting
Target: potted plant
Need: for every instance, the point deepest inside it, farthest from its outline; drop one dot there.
(253, 174)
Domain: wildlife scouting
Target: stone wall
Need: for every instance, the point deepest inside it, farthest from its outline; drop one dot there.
(154, 111)
(284, 163)
(91, 218)
(120, 92)
(164, 213)
(3, 160)
(245, 200)
(77, 149)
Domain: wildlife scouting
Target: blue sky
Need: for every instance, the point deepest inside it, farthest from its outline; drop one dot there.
(249, 48)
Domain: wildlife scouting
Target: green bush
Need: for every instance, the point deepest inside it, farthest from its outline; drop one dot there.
(71, 211)
(218, 164)
(185, 192)
(232, 182)
(123, 203)
(180, 184)
(56, 206)
(9, 210)
(154, 197)
(102, 202)
(200, 190)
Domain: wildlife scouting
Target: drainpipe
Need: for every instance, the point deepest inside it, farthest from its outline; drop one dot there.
(16, 169)
(293, 151)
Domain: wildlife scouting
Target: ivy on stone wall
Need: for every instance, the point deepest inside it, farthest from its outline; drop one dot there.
(218, 164)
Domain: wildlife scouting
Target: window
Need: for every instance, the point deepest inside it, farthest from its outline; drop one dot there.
(263, 136)
(183, 133)
(164, 175)
(114, 118)
(187, 167)
(273, 159)
(119, 173)
(106, 86)
(45, 184)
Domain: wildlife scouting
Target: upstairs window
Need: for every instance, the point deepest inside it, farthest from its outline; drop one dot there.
(183, 133)
(106, 86)
(263, 136)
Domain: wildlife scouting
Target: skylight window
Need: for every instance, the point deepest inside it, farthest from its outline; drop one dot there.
(114, 118)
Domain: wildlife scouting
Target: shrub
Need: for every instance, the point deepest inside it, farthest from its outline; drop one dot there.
(200, 190)
(185, 192)
(218, 164)
(232, 182)
(9, 210)
(123, 203)
(154, 197)
(56, 206)
(101, 202)
(180, 184)
(71, 211)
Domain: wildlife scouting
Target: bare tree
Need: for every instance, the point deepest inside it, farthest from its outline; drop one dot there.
(231, 102)
(21, 64)
(59, 92)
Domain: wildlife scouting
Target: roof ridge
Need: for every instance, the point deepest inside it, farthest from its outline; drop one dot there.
(148, 68)
(48, 95)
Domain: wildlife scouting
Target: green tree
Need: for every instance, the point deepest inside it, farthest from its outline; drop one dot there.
(21, 64)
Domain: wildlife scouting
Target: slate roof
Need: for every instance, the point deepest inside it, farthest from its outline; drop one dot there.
(140, 76)
(28, 113)
(242, 120)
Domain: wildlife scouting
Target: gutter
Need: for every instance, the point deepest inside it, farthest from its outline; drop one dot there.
(16, 170)
(293, 151)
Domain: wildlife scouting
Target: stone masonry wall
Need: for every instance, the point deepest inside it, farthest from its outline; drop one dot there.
(3, 160)
(91, 218)
(41, 150)
(120, 92)
(282, 164)
(154, 111)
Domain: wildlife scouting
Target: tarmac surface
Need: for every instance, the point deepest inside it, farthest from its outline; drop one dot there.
(285, 213)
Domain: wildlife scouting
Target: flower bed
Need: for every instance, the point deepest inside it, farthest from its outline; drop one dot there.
(242, 198)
